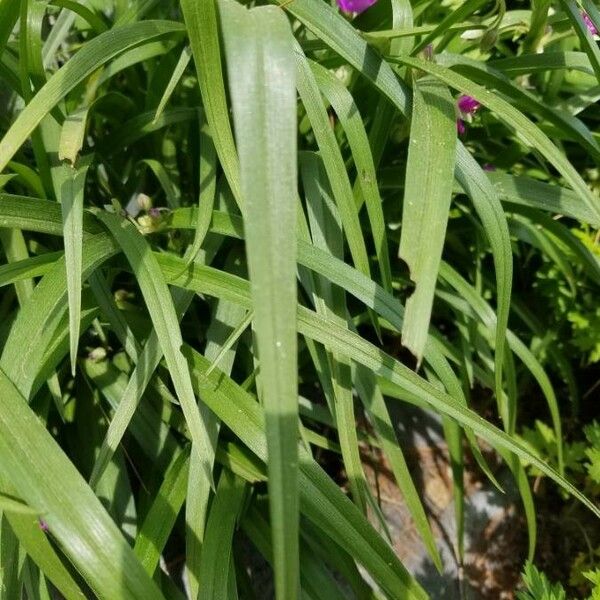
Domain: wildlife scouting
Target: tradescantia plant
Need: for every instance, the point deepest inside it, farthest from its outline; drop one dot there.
(257, 203)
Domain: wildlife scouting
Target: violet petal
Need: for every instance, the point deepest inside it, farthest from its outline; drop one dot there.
(589, 23)
(355, 6)
(467, 104)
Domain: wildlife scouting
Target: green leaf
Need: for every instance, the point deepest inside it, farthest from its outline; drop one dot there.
(333, 161)
(333, 368)
(539, 587)
(71, 201)
(201, 20)
(586, 39)
(261, 72)
(342, 102)
(147, 361)
(75, 517)
(427, 195)
(226, 315)
(92, 56)
(525, 191)
(512, 117)
(164, 318)
(182, 63)
(482, 194)
(218, 540)
(39, 549)
(162, 515)
(320, 498)
(34, 327)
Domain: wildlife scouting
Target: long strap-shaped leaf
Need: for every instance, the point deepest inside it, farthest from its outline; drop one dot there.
(427, 195)
(71, 197)
(164, 318)
(162, 515)
(321, 500)
(327, 332)
(201, 20)
(75, 516)
(215, 563)
(483, 195)
(342, 102)
(261, 70)
(222, 285)
(93, 55)
(525, 129)
(333, 161)
(585, 36)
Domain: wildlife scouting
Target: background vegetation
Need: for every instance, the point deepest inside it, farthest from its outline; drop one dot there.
(236, 238)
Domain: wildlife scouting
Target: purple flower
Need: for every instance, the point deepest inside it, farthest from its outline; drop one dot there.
(355, 6)
(589, 23)
(460, 127)
(154, 212)
(43, 526)
(467, 104)
(489, 167)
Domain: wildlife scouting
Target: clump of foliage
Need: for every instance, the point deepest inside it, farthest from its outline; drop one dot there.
(234, 234)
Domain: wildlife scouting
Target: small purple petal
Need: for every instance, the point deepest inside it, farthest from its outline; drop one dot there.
(355, 6)
(43, 526)
(489, 167)
(460, 127)
(154, 213)
(589, 23)
(467, 104)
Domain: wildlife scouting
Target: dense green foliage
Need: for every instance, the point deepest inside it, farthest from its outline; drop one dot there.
(237, 237)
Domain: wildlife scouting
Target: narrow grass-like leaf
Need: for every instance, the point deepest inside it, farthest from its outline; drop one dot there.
(588, 44)
(482, 194)
(74, 515)
(488, 318)
(38, 547)
(333, 161)
(525, 191)
(316, 582)
(320, 499)
(262, 84)
(147, 362)
(9, 14)
(226, 314)
(33, 330)
(182, 63)
(15, 248)
(161, 517)
(164, 319)
(546, 61)
(342, 102)
(460, 14)
(201, 20)
(218, 540)
(360, 350)
(427, 195)
(92, 56)
(207, 172)
(374, 403)
(326, 231)
(71, 201)
(514, 118)
(10, 561)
